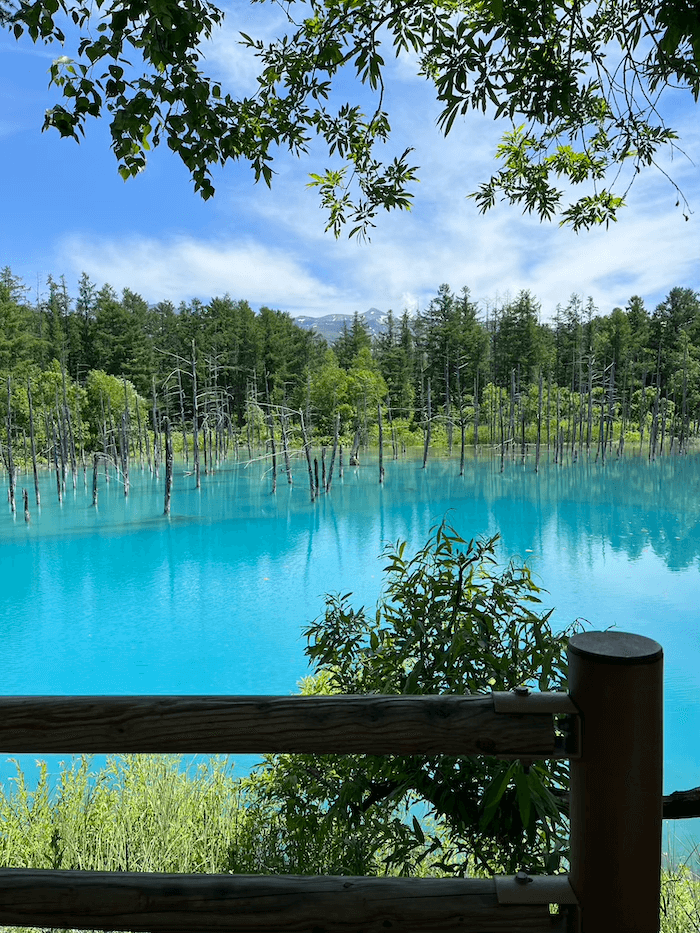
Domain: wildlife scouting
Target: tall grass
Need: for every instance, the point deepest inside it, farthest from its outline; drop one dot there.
(680, 893)
(138, 813)
(151, 813)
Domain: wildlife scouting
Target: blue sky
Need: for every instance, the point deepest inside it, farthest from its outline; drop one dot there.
(65, 210)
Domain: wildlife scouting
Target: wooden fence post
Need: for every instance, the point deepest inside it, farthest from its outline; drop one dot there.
(616, 681)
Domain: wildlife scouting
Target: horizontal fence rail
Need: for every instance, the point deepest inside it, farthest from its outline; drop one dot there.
(263, 904)
(376, 725)
(612, 733)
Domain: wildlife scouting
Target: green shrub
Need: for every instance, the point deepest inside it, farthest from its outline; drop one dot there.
(449, 622)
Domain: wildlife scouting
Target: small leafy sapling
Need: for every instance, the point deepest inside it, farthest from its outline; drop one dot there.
(449, 621)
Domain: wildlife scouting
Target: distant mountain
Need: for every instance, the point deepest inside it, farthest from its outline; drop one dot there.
(330, 326)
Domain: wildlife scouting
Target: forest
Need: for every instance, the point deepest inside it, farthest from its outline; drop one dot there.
(109, 374)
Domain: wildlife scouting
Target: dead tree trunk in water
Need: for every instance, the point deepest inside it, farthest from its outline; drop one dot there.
(392, 428)
(59, 486)
(70, 439)
(428, 427)
(611, 408)
(195, 419)
(249, 422)
(503, 440)
(10, 460)
(581, 401)
(181, 395)
(63, 441)
(285, 446)
(105, 450)
(139, 429)
(307, 451)
(625, 412)
(25, 496)
(589, 426)
(448, 407)
(601, 430)
(684, 403)
(125, 452)
(309, 426)
(271, 428)
(381, 443)
(95, 462)
(511, 420)
(653, 434)
(664, 409)
(32, 441)
(462, 422)
(112, 439)
(547, 413)
(643, 411)
(539, 425)
(335, 448)
(156, 433)
(355, 449)
(168, 466)
(476, 414)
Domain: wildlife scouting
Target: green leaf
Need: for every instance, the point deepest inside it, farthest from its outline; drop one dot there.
(522, 791)
(494, 793)
(418, 830)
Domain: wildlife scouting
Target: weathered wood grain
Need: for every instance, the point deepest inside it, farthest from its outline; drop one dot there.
(682, 804)
(400, 725)
(262, 904)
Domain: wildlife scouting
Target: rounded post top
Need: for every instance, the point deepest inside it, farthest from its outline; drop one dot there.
(615, 648)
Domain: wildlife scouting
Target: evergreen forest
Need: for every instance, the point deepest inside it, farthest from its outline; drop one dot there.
(102, 373)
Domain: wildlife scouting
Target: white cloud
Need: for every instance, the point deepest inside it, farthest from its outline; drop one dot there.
(182, 268)
(233, 63)
(8, 128)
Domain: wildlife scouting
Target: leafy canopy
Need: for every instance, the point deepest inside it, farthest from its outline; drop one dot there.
(578, 83)
(449, 622)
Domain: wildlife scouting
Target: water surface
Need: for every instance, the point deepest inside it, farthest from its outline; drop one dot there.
(119, 599)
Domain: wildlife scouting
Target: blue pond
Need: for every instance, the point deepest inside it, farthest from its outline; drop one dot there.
(119, 599)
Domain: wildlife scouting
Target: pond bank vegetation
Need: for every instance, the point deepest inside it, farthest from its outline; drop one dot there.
(152, 813)
(96, 381)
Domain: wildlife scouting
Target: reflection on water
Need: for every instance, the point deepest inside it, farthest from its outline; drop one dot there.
(119, 599)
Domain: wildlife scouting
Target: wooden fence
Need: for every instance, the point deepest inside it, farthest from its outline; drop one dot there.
(615, 747)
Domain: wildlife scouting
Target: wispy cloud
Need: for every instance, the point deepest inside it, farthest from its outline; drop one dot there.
(183, 268)
(232, 62)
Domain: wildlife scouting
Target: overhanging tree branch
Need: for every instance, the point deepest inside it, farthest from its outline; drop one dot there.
(540, 64)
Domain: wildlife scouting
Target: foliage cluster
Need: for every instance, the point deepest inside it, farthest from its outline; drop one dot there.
(449, 622)
(578, 85)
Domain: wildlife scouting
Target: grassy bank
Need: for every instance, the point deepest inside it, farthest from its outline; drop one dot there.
(149, 813)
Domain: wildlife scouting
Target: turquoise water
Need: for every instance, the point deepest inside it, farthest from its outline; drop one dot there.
(120, 599)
